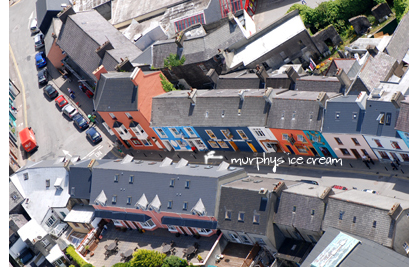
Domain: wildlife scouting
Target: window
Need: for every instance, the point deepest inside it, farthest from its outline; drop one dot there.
(293, 115)
(25, 176)
(187, 184)
(364, 151)
(260, 241)
(172, 228)
(312, 212)
(112, 116)
(377, 142)
(381, 118)
(50, 221)
(210, 134)
(337, 115)
(256, 219)
(47, 183)
(294, 208)
(301, 138)
(128, 200)
(395, 145)
(341, 214)
(354, 219)
(148, 224)
(185, 206)
(301, 148)
(203, 231)
(311, 115)
(259, 132)
(63, 214)
(128, 115)
(222, 144)
(146, 142)
(213, 144)
(174, 131)
(172, 183)
(223, 110)
(227, 134)
(354, 116)
(338, 141)
(136, 142)
(207, 114)
(245, 239)
(388, 118)
(190, 132)
(345, 152)
(282, 115)
(76, 225)
(161, 132)
(116, 178)
(170, 203)
(114, 199)
(405, 157)
(241, 216)
(45, 242)
(242, 134)
(131, 179)
(355, 141)
(227, 215)
(263, 204)
(285, 137)
(73, 191)
(374, 224)
(383, 155)
(406, 247)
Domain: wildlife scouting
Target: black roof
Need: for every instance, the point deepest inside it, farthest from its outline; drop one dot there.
(117, 215)
(189, 222)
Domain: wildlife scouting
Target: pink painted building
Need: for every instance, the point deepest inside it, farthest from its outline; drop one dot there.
(180, 197)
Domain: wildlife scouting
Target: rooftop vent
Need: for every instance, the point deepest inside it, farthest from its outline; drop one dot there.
(208, 167)
(152, 163)
(262, 191)
(377, 93)
(223, 166)
(166, 162)
(247, 180)
(138, 161)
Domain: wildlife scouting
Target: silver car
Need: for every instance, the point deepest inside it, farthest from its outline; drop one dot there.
(69, 111)
(39, 41)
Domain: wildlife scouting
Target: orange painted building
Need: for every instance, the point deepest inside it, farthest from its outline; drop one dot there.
(124, 102)
(294, 142)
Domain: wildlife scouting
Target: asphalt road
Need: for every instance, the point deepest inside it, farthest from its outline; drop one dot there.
(55, 134)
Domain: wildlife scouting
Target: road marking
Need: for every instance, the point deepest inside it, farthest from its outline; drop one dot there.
(29, 19)
(98, 154)
(66, 152)
(93, 151)
(22, 85)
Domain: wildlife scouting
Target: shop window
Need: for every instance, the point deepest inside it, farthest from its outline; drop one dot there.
(213, 144)
(301, 148)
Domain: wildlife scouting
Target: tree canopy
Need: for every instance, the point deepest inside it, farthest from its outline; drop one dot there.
(173, 60)
(147, 258)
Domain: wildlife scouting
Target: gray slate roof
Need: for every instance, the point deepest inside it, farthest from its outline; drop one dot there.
(370, 124)
(80, 177)
(116, 92)
(239, 80)
(214, 103)
(399, 44)
(198, 49)
(151, 180)
(305, 197)
(319, 83)
(303, 105)
(366, 254)
(84, 32)
(345, 106)
(403, 119)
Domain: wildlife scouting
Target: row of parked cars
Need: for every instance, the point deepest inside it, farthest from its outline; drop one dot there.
(50, 92)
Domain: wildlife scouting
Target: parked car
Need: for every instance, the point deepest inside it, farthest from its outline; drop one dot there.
(93, 135)
(69, 111)
(33, 26)
(370, 191)
(80, 122)
(38, 41)
(340, 187)
(309, 182)
(42, 76)
(61, 101)
(40, 60)
(50, 91)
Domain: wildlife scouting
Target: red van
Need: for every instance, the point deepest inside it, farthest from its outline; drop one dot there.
(27, 139)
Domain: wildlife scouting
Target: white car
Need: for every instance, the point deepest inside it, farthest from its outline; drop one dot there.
(370, 191)
(69, 111)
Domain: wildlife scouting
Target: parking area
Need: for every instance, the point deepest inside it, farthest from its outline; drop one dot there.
(155, 240)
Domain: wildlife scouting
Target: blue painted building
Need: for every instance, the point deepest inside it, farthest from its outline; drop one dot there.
(320, 144)
(180, 138)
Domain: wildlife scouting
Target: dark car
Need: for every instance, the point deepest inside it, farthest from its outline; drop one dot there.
(80, 122)
(50, 91)
(40, 60)
(43, 76)
(26, 255)
(309, 182)
(93, 135)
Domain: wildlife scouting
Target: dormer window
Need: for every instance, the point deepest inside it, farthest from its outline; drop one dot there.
(128, 115)
(112, 116)
(293, 116)
(47, 183)
(337, 115)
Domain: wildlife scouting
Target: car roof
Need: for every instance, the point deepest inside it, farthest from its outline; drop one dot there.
(77, 116)
(91, 130)
(69, 106)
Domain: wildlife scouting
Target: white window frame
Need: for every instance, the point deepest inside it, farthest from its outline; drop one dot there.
(170, 204)
(175, 132)
(116, 177)
(161, 133)
(53, 220)
(259, 132)
(172, 228)
(242, 134)
(45, 242)
(199, 143)
(203, 231)
(117, 223)
(191, 133)
(149, 224)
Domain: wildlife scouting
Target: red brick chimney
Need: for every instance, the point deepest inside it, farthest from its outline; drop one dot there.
(97, 73)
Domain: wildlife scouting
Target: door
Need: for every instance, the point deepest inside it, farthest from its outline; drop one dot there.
(394, 156)
(314, 151)
(252, 147)
(290, 149)
(157, 142)
(233, 145)
(356, 154)
(167, 145)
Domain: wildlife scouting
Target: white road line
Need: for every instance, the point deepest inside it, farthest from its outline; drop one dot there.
(29, 19)
(93, 151)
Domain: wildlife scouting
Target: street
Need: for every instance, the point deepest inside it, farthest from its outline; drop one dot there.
(55, 134)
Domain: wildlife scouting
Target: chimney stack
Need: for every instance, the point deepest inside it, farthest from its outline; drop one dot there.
(97, 73)
(292, 74)
(124, 65)
(63, 15)
(343, 78)
(261, 73)
(192, 95)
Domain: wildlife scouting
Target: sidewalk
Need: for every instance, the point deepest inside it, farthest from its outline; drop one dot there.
(348, 165)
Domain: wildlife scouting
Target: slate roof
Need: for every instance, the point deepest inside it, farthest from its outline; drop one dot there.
(297, 103)
(346, 107)
(366, 208)
(153, 179)
(116, 92)
(340, 63)
(15, 198)
(198, 49)
(80, 177)
(319, 83)
(357, 87)
(366, 254)
(305, 197)
(399, 44)
(210, 103)
(88, 30)
(403, 120)
(46, 10)
(239, 80)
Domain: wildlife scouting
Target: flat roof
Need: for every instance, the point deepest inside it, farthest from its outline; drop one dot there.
(306, 189)
(254, 183)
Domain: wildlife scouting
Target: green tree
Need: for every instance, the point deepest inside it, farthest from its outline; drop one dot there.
(121, 264)
(147, 258)
(174, 261)
(87, 265)
(401, 8)
(166, 85)
(173, 60)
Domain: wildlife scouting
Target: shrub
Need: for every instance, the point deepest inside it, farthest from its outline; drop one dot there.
(167, 87)
(121, 264)
(173, 60)
(401, 8)
(174, 261)
(77, 258)
(147, 258)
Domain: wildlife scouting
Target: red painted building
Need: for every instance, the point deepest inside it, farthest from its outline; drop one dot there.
(124, 102)
(294, 142)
